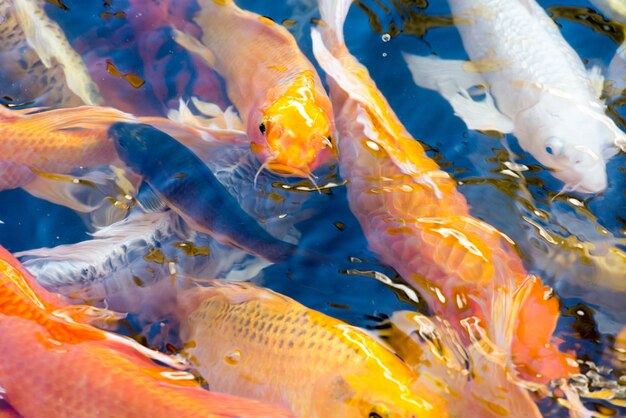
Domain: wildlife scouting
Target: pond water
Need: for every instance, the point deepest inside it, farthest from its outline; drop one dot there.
(562, 237)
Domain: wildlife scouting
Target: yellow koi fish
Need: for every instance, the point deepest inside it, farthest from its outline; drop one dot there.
(415, 219)
(259, 344)
(275, 88)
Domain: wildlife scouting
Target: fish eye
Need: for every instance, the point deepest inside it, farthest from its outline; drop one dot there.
(379, 411)
(554, 146)
(262, 128)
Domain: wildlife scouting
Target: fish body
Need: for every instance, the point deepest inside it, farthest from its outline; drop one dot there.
(76, 370)
(271, 83)
(538, 89)
(126, 264)
(256, 343)
(189, 188)
(38, 64)
(416, 220)
(54, 141)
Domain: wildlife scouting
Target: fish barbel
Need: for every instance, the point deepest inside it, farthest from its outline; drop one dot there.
(416, 221)
(256, 343)
(537, 88)
(77, 370)
(275, 88)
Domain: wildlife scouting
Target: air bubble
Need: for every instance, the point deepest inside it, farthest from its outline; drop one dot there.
(386, 37)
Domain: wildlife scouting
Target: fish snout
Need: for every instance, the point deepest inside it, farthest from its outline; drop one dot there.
(588, 170)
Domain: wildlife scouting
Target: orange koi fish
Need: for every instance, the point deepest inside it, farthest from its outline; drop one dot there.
(416, 221)
(277, 92)
(54, 141)
(256, 343)
(77, 370)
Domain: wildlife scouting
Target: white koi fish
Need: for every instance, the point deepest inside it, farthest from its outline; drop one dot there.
(536, 88)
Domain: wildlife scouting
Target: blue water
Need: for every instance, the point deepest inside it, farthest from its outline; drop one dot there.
(474, 159)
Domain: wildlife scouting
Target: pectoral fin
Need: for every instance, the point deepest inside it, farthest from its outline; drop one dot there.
(597, 79)
(194, 46)
(452, 79)
(480, 115)
(148, 199)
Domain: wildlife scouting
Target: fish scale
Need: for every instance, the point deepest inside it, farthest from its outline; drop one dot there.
(468, 272)
(516, 34)
(75, 370)
(255, 343)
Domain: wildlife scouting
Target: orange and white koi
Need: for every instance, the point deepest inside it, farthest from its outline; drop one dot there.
(277, 91)
(253, 342)
(77, 370)
(416, 221)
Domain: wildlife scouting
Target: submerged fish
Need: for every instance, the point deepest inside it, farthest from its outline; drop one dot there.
(543, 95)
(475, 382)
(416, 221)
(38, 64)
(276, 91)
(76, 370)
(187, 186)
(126, 263)
(54, 141)
(257, 343)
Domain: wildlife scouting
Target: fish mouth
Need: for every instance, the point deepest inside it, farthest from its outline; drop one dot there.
(289, 171)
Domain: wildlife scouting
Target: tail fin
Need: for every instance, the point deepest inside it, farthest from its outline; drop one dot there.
(49, 42)
(333, 13)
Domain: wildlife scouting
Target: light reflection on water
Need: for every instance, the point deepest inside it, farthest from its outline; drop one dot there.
(562, 237)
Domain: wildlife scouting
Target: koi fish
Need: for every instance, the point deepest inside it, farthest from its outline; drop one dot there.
(540, 92)
(416, 221)
(186, 185)
(253, 342)
(125, 263)
(473, 379)
(278, 93)
(103, 374)
(6, 411)
(157, 80)
(39, 65)
(39, 146)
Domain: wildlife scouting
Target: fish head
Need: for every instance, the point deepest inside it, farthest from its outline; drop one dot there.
(292, 133)
(134, 142)
(570, 139)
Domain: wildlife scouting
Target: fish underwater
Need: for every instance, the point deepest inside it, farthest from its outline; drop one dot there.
(187, 186)
(416, 221)
(253, 342)
(278, 93)
(102, 374)
(126, 266)
(38, 65)
(536, 88)
(137, 65)
(54, 141)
